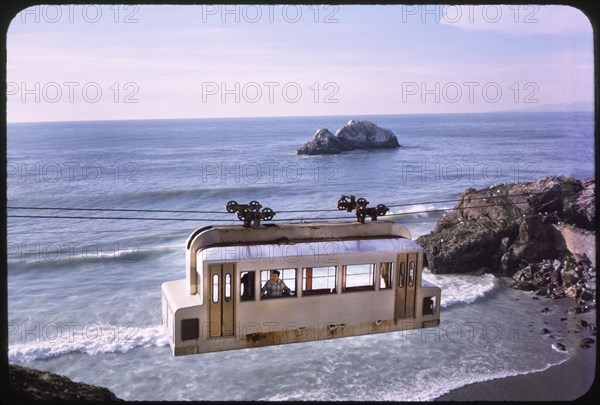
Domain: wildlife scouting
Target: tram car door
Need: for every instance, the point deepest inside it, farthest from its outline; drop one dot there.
(221, 300)
(406, 285)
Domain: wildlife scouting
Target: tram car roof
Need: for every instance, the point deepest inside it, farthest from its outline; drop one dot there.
(296, 233)
(271, 251)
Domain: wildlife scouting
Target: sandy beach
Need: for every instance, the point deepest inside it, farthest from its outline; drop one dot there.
(568, 381)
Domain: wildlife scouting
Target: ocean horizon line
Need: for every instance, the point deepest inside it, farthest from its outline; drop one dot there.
(298, 116)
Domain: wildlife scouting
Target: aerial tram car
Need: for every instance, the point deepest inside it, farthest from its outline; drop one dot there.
(342, 278)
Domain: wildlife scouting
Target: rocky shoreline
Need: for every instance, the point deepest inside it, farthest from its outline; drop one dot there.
(31, 384)
(540, 234)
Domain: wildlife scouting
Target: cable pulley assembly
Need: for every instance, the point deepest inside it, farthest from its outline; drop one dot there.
(250, 213)
(359, 206)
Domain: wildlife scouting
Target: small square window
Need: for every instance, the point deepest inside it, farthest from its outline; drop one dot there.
(190, 329)
(429, 305)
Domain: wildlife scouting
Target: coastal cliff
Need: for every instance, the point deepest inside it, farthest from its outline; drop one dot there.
(541, 233)
(354, 135)
(31, 384)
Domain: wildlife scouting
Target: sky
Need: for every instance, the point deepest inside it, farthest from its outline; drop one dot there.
(110, 62)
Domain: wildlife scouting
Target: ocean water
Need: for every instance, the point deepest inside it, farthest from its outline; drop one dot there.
(84, 294)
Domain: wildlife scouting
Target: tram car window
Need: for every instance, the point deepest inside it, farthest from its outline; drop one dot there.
(358, 277)
(319, 280)
(288, 276)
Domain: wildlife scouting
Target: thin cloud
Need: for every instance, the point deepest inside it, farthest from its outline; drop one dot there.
(518, 19)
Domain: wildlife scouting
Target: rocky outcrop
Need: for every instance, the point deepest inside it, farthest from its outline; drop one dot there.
(507, 227)
(323, 143)
(354, 135)
(30, 384)
(542, 234)
(366, 135)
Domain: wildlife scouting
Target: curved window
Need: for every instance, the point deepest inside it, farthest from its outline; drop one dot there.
(401, 274)
(411, 273)
(215, 288)
(227, 287)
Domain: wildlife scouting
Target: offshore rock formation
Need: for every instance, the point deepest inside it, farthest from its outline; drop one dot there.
(31, 384)
(507, 227)
(354, 135)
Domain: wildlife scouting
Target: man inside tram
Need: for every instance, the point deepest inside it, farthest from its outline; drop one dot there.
(275, 287)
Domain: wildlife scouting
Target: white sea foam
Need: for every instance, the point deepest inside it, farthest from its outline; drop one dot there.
(92, 339)
(436, 391)
(461, 288)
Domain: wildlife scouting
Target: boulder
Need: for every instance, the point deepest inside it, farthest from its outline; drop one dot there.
(354, 135)
(32, 384)
(581, 211)
(555, 277)
(534, 242)
(586, 342)
(322, 143)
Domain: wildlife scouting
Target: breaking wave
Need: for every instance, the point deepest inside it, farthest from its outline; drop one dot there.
(56, 339)
(461, 288)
